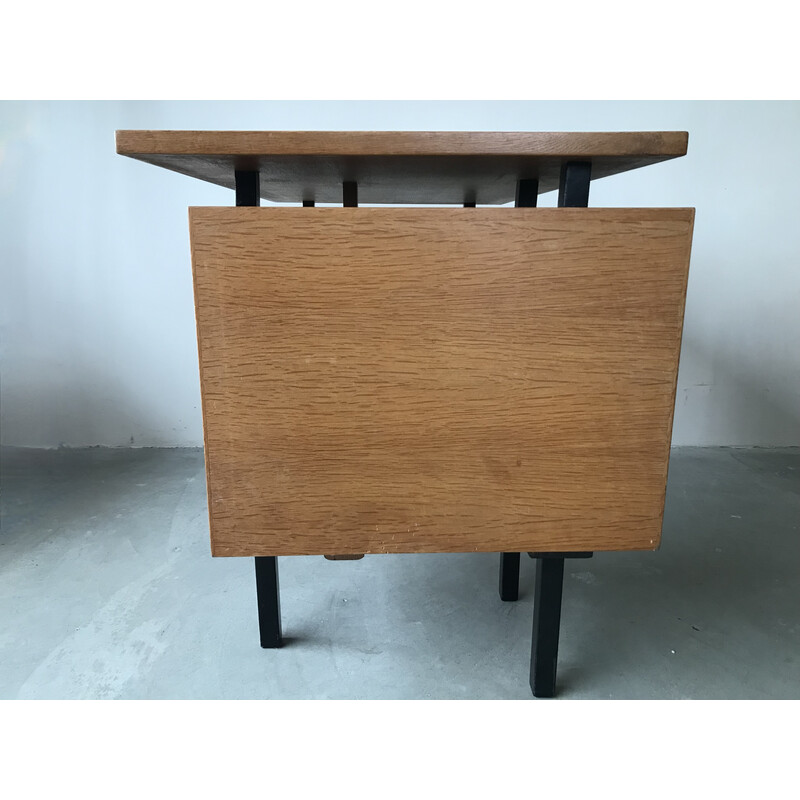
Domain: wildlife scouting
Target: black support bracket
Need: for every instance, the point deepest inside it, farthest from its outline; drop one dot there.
(350, 194)
(573, 187)
(248, 188)
(527, 193)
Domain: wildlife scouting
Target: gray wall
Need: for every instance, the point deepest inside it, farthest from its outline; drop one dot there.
(96, 314)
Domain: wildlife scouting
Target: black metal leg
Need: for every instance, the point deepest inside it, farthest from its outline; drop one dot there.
(248, 193)
(308, 204)
(509, 576)
(546, 624)
(269, 601)
(527, 193)
(573, 190)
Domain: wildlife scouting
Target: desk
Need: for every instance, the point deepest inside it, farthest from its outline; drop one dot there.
(417, 380)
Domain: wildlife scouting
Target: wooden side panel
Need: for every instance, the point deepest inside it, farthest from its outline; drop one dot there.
(437, 380)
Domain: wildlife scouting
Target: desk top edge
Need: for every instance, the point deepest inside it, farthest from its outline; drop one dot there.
(664, 144)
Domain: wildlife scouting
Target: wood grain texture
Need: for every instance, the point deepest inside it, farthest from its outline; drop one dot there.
(396, 167)
(441, 380)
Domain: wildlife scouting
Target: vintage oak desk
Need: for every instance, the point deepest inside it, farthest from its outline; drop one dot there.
(429, 380)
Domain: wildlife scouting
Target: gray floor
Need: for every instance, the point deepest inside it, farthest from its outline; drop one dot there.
(108, 590)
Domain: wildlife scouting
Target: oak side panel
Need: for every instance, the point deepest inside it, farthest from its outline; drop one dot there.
(440, 380)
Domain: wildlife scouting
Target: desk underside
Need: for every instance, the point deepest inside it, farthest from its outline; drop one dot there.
(441, 380)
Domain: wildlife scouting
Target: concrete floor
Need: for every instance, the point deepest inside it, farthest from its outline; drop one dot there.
(108, 590)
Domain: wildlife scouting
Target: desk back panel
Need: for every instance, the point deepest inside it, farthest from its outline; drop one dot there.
(387, 380)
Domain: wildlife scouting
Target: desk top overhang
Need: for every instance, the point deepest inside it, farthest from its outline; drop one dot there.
(406, 167)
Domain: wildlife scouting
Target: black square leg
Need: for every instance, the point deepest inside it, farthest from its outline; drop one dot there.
(546, 624)
(269, 601)
(509, 576)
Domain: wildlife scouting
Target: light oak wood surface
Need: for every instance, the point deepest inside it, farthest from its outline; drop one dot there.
(437, 380)
(396, 167)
